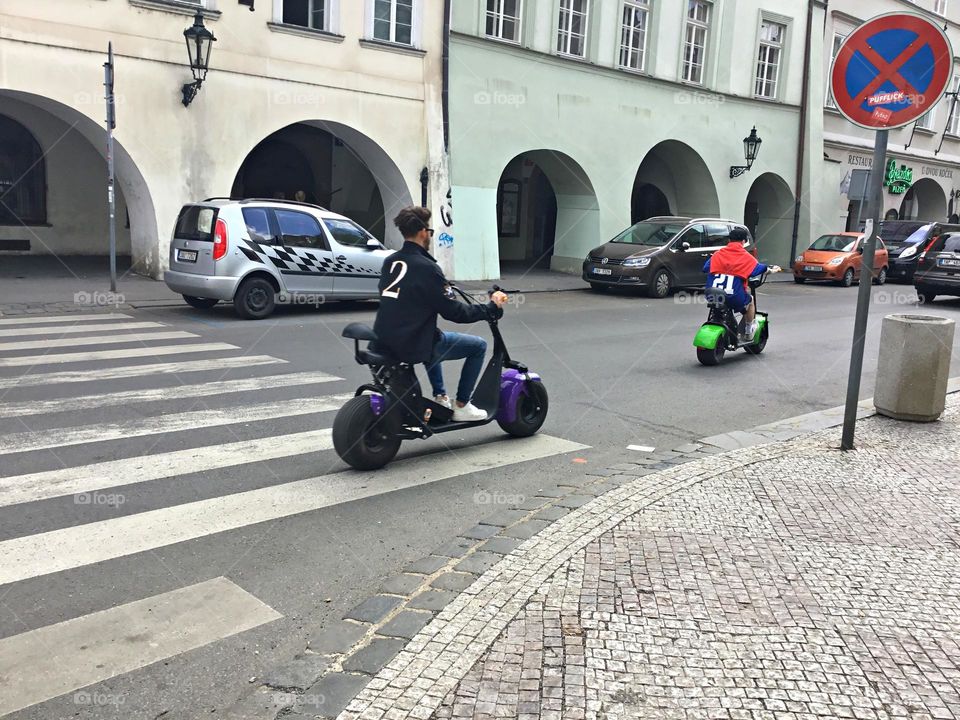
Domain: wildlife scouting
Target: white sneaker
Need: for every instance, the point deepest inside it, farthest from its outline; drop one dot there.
(443, 400)
(750, 331)
(469, 413)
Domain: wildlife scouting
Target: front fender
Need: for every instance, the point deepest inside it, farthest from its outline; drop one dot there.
(709, 336)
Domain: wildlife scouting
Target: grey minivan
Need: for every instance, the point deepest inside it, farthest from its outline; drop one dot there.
(659, 255)
(256, 252)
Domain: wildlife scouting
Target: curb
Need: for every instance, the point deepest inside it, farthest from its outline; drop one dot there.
(340, 662)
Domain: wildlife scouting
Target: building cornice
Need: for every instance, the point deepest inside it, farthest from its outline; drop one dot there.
(844, 142)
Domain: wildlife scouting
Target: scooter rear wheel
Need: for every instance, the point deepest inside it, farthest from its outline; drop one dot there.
(358, 439)
(709, 357)
(531, 412)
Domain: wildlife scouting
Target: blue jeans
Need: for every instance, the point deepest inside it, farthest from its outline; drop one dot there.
(457, 346)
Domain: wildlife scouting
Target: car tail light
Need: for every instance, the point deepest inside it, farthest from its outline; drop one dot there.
(219, 240)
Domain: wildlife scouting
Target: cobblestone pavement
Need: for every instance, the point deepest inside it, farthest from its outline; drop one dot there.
(779, 581)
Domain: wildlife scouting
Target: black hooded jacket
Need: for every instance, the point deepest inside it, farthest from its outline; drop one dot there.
(413, 291)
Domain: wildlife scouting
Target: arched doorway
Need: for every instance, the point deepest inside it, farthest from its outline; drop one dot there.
(925, 200)
(58, 207)
(547, 213)
(673, 180)
(331, 165)
(768, 213)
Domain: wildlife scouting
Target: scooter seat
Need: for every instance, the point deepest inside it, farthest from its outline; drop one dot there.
(370, 357)
(359, 331)
(715, 297)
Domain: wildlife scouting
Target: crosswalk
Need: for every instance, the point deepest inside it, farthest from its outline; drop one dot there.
(100, 410)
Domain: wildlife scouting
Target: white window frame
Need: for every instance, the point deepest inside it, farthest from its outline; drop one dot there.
(415, 31)
(689, 24)
(838, 38)
(499, 16)
(940, 7)
(565, 35)
(629, 31)
(332, 16)
(763, 61)
(928, 119)
(953, 128)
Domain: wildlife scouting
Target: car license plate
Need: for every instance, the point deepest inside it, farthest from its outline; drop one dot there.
(949, 262)
(811, 268)
(186, 255)
(602, 271)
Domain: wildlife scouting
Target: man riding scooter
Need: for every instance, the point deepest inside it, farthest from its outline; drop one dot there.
(730, 269)
(413, 291)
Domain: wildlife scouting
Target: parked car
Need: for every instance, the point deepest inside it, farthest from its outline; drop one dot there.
(249, 252)
(938, 268)
(839, 258)
(659, 255)
(905, 240)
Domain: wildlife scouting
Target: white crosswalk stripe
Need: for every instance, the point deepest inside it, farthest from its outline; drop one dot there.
(47, 661)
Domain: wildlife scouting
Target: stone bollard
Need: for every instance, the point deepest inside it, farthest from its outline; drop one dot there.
(914, 367)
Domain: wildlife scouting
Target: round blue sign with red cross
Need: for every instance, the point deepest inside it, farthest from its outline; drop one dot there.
(891, 70)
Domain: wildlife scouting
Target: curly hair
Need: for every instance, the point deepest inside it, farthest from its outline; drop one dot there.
(412, 220)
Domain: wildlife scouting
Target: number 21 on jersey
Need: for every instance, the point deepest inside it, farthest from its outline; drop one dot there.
(725, 283)
(393, 289)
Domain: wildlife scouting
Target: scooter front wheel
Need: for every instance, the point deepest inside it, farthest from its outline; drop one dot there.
(714, 356)
(531, 409)
(359, 439)
(758, 347)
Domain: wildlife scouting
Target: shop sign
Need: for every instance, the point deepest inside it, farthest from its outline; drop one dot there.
(898, 179)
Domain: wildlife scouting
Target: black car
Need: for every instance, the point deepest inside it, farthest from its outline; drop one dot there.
(938, 268)
(905, 240)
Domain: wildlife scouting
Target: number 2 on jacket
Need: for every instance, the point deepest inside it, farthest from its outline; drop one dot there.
(389, 291)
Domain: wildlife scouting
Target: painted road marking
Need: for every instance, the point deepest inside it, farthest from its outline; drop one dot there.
(116, 473)
(174, 422)
(222, 387)
(73, 329)
(95, 340)
(641, 448)
(41, 664)
(129, 371)
(35, 320)
(73, 547)
(30, 360)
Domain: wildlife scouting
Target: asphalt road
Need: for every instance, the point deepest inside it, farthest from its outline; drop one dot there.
(101, 503)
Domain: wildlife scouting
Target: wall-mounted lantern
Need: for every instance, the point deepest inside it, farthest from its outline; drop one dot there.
(751, 148)
(199, 44)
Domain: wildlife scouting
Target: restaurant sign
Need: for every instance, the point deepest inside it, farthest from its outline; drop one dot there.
(898, 179)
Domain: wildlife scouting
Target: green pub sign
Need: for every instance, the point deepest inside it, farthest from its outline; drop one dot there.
(898, 179)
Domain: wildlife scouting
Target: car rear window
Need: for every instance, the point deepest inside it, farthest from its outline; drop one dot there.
(951, 243)
(257, 221)
(196, 223)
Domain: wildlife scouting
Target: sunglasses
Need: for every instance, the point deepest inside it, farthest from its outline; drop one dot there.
(429, 231)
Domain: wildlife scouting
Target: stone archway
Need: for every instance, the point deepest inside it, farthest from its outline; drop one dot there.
(547, 212)
(332, 165)
(768, 213)
(74, 147)
(925, 200)
(674, 180)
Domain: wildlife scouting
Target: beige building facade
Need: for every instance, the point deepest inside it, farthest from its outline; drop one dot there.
(334, 101)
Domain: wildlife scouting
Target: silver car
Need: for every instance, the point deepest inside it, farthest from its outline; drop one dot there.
(256, 252)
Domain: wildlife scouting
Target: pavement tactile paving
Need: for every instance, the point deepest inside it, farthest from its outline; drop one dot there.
(779, 581)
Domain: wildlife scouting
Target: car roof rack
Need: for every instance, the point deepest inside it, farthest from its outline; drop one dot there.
(272, 200)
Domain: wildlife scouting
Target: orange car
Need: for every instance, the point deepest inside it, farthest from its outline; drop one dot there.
(839, 258)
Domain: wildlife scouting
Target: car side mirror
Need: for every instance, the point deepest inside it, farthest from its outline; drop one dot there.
(860, 249)
(373, 244)
(684, 246)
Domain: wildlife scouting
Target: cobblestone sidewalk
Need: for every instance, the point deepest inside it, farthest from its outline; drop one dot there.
(786, 580)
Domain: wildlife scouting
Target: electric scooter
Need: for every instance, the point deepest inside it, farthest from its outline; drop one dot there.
(369, 428)
(723, 331)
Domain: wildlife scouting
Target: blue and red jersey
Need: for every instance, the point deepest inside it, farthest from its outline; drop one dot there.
(729, 269)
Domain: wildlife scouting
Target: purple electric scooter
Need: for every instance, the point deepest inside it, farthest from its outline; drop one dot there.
(368, 430)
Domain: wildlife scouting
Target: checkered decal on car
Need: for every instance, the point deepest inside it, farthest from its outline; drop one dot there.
(293, 260)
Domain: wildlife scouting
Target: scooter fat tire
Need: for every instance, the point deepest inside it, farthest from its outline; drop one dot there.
(356, 440)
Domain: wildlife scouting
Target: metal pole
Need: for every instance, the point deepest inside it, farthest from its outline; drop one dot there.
(863, 300)
(111, 195)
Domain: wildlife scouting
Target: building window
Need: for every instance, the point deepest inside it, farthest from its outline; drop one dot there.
(769, 59)
(696, 35)
(633, 34)
(393, 21)
(307, 13)
(838, 38)
(572, 30)
(23, 186)
(503, 19)
(954, 127)
(940, 7)
(926, 120)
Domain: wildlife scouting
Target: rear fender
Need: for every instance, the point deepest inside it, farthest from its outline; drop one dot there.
(708, 337)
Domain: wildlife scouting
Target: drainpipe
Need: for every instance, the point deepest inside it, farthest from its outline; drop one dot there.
(445, 89)
(802, 140)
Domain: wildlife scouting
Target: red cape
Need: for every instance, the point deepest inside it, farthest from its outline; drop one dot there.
(733, 260)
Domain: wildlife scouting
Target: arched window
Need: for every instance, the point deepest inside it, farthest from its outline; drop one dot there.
(23, 187)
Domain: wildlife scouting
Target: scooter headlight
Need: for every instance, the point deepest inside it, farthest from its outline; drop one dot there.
(636, 262)
(835, 261)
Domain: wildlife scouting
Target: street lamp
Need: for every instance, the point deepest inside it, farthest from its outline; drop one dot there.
(199, 44)
(751, 148)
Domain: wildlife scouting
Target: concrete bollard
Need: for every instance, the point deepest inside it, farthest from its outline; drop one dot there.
(914, 367)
